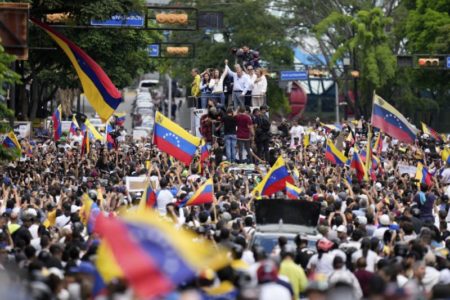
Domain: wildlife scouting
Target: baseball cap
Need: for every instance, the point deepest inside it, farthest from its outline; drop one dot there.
(384, 220)
(342, 228)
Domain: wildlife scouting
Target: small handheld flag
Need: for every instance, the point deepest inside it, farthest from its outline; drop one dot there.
(275, 180)
(10, 141)
(148, 199)
(333, 154)
(85, 144)
(357, 164)
(57, 125)
(422, 175)
(204, 194)
(431, 132)
(292, 192)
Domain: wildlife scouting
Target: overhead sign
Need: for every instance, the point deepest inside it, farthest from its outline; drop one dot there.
(448, 62)
(132, 20)
(293, 75)
(153, 50)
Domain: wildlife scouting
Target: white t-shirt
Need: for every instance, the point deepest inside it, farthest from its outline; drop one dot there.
(297, 132)
(164, 197)
(34, 230)
(272, 290)
(371, 259)
(324, 265)
(62, 220)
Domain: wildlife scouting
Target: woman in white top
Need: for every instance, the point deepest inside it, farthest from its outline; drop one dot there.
(259, 88)
(216, 86)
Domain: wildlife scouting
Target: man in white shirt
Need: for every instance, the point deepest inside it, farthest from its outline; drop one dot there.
(241, 84)
(164, 197)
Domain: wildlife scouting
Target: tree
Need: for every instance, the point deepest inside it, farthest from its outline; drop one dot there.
(121, 53)
(372, 55)
(7, 77)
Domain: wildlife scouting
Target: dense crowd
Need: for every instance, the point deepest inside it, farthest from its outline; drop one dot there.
(378, 239)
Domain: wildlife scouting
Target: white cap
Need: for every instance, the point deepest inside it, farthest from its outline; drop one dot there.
(378, 186)
(384, 220)
(342, 228)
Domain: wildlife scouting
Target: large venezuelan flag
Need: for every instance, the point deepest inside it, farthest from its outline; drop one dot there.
(151, 254)
(57, 125)
(174, 140)
(386, 118)
(10, 141)
(275, 180)
(98, 88)
(422, 175)
(333, 154)
(204, 194)
(431, 132)
(292, 192)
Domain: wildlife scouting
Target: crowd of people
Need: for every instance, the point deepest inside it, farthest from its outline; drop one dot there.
(384, 238)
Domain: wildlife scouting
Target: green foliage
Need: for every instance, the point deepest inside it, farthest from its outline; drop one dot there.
(368, 46)
(276, 98)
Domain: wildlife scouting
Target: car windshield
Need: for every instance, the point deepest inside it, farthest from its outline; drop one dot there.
(269, 242)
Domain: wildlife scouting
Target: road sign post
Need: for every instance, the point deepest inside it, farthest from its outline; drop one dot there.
(293, 75)
(153, 50)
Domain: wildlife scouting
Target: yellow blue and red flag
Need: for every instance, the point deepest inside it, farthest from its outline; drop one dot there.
(89, 213)
(357, 164)
(204, 194)
(85, 144)
(331, 127)
(120, 119)
(74, 126)
(151, 254)
(57, 125)
(10, 141)
(422, 175)
(98, 88)
(386, 118)
(445, 155)
(275, 180)
(148, 199)
(171, 138)
(93, 132)
(378, 146)
(334, 155)
(292, 192)
(110, 141)
(431, 132)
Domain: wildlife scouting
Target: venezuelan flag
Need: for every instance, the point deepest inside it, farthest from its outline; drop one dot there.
(386, 118)
(89, 213)
(57, 125)
(151, 254)
(431, 132)
(10, 141)
(445, 155)
(74, 126)
(97, 136)
(292, 192)
(98, 88)
(204, 194)
(357, 164)
(378, 146)
(85, 144)
(171, 138)
(120, 118)
(333, 154)
(204, 154)
(422, 175)
(110, 142)
(275, 180)
(148, 199)
(331, 127)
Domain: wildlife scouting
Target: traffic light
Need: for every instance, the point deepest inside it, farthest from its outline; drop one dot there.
(177, 51)
(428, 62)
(178, 18)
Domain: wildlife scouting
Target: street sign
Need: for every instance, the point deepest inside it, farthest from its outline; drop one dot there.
(293, 75)
(153, 50)
(132, 20)
(448, 62)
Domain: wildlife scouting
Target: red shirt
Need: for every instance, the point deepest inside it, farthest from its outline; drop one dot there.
(243, 122)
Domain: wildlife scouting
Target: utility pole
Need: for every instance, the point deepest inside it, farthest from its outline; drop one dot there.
(336, 91)
(169, 108)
